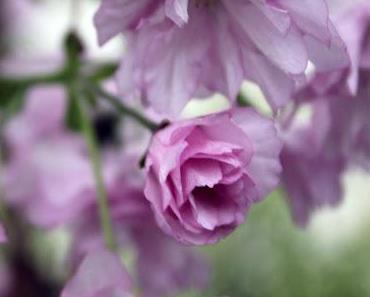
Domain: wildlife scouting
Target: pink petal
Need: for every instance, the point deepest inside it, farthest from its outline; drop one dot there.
(177, 10)
(100, 272)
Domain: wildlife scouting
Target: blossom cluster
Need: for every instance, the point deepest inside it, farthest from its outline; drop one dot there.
(200, 176)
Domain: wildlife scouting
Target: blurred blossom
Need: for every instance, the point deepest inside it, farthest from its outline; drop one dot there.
(204, 174)
(178, 267)
(47, 170)
(21, 14)
(48, 178)
(316, 154)
(311, 172)
(41, 119)
(10, 9)
(101, 274)
(182, 49)
(349, 133)
(353, 25)
(337, 136)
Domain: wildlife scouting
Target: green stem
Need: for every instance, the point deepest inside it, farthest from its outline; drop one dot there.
(5, 218)
(123, 108)
(102, 196)
(51, 78)
(3, 212)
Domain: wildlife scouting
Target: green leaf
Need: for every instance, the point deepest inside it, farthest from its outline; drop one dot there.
(103, 72)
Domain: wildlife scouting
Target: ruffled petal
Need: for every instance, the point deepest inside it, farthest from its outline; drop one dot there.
(264, 168)
(177, 10)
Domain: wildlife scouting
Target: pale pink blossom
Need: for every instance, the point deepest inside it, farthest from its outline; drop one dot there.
(47, 169)
(179, 267)
(101, 274)
(203, 175)
(180, 49)
(312, 169)
(353, 25)
(337, 135)
(316, 155)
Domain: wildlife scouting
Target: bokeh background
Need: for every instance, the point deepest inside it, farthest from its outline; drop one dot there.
(269, 255)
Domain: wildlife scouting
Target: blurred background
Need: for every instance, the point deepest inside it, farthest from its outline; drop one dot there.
(269, 255)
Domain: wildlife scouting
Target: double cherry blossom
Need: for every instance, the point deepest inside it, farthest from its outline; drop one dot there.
(182, 49)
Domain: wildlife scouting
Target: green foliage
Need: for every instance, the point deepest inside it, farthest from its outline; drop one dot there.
(13, 90)
(103, 72)
(270, 257)
(11, 96)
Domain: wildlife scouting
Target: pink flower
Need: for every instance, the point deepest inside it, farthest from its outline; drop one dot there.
(349, 134)
(311, 183)
(179, 49)
(204, 174)
(48, 170)
(316, 155)
(339, 128)
(353, 25)
(337, 135)
(180, 267)
(49, 180)
(101, 274)
(41, 118)
(134, 225)
(312, 168)
(352, 22)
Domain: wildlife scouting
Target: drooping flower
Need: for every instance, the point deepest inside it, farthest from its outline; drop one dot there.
(182, 49)
(204, 174)
(101, 274)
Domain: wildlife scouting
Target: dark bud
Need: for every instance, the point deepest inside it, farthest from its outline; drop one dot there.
(73, 45)
(105, 125)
